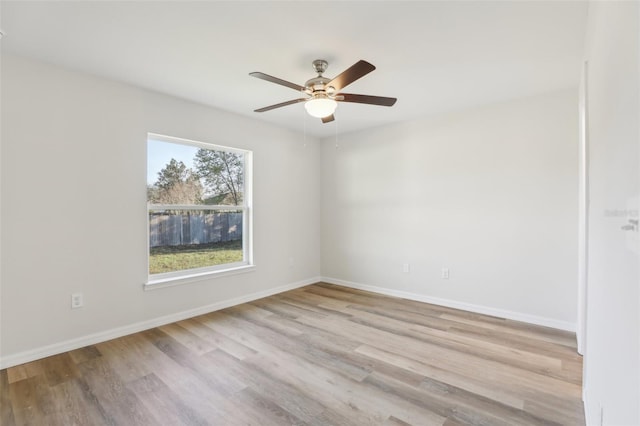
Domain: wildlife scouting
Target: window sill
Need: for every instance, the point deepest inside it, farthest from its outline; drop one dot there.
(155, 284)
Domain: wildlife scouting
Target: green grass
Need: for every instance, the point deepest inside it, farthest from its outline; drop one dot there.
(178, 258)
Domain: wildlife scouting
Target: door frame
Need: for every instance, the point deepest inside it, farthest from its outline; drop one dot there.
(583, 210)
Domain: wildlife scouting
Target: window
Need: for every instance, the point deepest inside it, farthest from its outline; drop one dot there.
(198, 205)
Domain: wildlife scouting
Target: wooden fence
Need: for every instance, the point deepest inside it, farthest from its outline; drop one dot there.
(167, 229)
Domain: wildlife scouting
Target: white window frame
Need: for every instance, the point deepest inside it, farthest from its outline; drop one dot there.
(167, 279)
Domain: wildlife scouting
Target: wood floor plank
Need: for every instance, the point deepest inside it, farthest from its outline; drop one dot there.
(112, 394)
(483, 388)
(265, 411)
(166, 406)
(558, 410)
(292, 345)
(449, 401)
(25, 371)
(331, 417)
(6, 407)
(214, 379)
(59, 369)
(348, 397)
(557, 338)
(127, 357)
(75, 404)
(199, 327)
(286, 395)
(316, 378)
(317, 355)
(287, 309)
(30, 405)
(393, 421)
(205, 402)
(191, 341)
(325, 303)
(84, 354)
(540, 363)
(15, 374)
(459, 362)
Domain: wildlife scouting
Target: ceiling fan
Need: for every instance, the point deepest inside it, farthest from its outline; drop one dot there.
(323, 94)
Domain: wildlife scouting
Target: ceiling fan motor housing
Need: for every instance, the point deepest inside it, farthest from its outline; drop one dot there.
(316, 85)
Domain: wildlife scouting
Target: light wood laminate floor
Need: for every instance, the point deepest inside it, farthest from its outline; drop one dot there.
(318, 355)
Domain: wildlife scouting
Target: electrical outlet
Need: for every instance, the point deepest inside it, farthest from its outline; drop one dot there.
(405, 268)
(76, 301)
(445, 274)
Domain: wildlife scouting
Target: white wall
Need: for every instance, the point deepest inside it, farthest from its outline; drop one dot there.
(74, 206)
(612, 356)
(490, 193)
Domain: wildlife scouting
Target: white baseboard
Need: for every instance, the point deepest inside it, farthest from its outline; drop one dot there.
(92, 339)
(103, 336)
(500, 313)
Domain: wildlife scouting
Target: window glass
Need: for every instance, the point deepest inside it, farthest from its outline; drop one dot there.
(197, 207)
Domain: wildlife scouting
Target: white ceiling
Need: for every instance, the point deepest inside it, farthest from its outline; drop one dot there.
(434, 56)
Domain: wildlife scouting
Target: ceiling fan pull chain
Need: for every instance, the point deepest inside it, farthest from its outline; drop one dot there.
(335, 126)
(304, 120)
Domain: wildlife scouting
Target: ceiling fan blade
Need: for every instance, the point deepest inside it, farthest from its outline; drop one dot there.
(356, 71)
(366, 99)
(277, 80)
(270, 107)
(328, 119)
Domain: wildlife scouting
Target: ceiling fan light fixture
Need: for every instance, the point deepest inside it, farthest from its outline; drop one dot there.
(320, 107)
